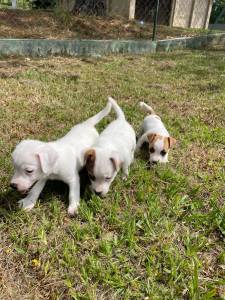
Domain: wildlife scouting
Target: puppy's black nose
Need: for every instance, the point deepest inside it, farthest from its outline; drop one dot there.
(13, 186)
(154, 162)
(98, 193)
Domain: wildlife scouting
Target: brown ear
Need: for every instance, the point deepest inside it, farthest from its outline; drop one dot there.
(171, 141)
(151, 137)
(89, 158)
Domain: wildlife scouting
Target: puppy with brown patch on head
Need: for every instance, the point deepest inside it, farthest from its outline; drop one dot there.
(114, 149)
(156, 135)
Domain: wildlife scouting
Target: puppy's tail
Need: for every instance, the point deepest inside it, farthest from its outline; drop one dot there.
(146, 108)
(118, 110)
(99, 116)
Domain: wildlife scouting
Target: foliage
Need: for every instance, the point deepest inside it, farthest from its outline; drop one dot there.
(43, 4)
(218, 6)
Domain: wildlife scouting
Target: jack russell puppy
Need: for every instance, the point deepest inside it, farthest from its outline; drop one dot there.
(35, 162)
(114, 149)
(156, 135)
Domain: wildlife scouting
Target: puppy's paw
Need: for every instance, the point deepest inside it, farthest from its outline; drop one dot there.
(26, 204)
(124, 177)
(72, 210)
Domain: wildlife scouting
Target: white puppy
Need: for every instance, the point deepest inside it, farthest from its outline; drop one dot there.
(35, 162)
(156, 135)
(114, 149)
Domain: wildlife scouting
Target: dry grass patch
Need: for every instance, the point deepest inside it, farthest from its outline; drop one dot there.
(62, 25)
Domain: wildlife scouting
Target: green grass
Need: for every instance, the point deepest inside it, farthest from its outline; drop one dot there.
(160, 234)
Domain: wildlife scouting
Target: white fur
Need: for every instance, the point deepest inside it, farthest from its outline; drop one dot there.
(61, 160)
(152, 124)
(114, 149)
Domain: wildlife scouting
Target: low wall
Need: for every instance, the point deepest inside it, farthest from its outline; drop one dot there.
(44, 47)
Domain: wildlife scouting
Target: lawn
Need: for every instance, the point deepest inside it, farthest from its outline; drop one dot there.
(160, 234)
(62, 25)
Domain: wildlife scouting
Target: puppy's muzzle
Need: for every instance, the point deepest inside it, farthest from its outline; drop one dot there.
(151, 164)
(13, 186)
(98, 193)
(24, 192)
(31, 187)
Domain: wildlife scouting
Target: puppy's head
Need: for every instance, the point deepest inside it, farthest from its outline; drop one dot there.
(102, 166)
(159, 147)
(32, 160)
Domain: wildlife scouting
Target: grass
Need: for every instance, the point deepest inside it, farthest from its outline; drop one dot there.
(62, 25)
(160, 234)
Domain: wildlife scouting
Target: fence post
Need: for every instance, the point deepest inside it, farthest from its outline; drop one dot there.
(155, 20)
(14, 4)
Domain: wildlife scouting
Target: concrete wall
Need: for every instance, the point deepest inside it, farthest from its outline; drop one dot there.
(217, 26)
(191, 13)
(44, 47)
(182, 13)
(124, 8)
(67, 4)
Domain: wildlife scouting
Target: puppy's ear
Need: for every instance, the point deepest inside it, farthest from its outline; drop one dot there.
(47, 157)
(151, 137)
(171, 141)
(115, 161)
(89, 156)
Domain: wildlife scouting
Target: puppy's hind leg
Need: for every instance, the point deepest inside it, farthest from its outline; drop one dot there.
(74, 195)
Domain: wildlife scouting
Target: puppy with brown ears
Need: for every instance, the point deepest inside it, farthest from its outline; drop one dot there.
(156, 135)
(113, 150)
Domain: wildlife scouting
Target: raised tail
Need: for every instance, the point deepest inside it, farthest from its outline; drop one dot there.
(145, 107)
(99, 116)
(118, 110)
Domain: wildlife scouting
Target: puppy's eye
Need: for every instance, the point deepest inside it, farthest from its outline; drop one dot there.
(163, 152)
(108, 178)
(92, 178)
(152, 150)
(29, 171)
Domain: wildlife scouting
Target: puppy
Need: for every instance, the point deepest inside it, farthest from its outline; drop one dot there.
(114, 149)
(156, 135)
(35, 162)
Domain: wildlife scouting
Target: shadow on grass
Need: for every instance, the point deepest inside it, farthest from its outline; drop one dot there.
(9, 199)
(143, 154)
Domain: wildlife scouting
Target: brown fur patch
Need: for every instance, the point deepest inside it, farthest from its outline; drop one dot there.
(152, 137)
(171, 141)
(166, 144)
(89, 158)
(167, 141)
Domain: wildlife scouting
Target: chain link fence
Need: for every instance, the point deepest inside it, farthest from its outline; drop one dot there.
(146, 19)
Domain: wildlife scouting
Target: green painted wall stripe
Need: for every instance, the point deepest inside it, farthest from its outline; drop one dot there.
(44, 47)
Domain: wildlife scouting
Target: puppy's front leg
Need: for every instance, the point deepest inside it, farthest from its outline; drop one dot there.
(29, 202)
(74, 195)
(125, 169)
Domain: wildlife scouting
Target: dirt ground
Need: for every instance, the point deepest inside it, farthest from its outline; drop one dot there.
(62, 25)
